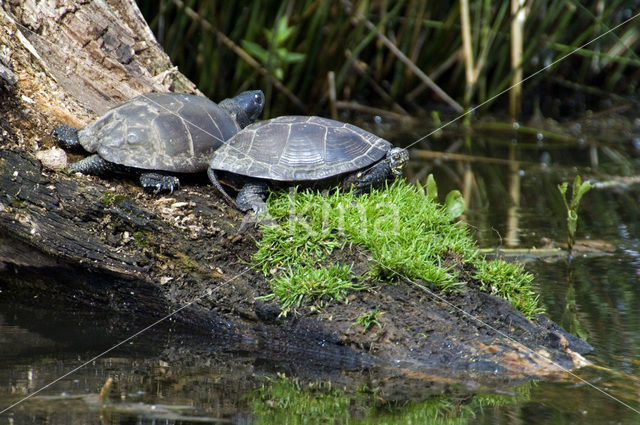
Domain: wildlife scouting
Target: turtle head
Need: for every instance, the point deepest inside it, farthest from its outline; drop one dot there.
(397, 158)
(245, 108)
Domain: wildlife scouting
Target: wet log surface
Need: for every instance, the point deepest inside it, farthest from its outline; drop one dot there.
(99, 243)
(106, 244)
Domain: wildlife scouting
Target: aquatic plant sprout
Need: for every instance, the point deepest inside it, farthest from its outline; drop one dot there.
(579, 189)
(369, 319)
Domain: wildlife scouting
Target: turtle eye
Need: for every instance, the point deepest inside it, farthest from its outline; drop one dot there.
(258, 99)
(396, 156)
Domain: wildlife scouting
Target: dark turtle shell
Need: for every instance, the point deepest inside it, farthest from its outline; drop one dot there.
(160, 131)
(298, 148)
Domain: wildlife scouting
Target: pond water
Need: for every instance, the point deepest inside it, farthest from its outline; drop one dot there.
(595, 296)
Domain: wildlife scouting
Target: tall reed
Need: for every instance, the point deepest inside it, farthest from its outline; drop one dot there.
(376, 46)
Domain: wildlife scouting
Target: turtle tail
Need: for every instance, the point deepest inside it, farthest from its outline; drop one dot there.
(214, 180)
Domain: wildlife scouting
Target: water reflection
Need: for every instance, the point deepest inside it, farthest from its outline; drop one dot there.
(154, 380)
(513, 201)
(591, 296)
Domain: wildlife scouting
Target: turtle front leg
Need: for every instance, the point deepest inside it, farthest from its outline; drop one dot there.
(375, 176)
(364, 180)
(94, 165)
(156, 182)
(252, 197)
(67, 136)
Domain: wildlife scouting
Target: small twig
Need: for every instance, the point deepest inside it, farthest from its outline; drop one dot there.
(104, 391)
(381, 92)
(404, 59)
(523, 129)
(446, 156)
(374, 111)
(453, 147)
(618, 109)
(241, 53)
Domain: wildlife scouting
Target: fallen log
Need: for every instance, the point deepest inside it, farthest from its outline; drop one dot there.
(105, 244)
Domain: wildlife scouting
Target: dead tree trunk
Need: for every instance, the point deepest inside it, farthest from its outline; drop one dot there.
(81, 239)
(68, 62)
(104, 243)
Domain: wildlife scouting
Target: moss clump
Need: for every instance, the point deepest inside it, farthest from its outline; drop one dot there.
(110, 198)
(369, 319)
(509, 281)
(334, 281)
(404, 232)
(141, 238)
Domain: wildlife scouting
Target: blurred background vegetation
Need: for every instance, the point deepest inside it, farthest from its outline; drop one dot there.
(298, 50)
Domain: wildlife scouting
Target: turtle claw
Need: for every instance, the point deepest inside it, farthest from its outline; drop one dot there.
(159, 183)
(252, 197)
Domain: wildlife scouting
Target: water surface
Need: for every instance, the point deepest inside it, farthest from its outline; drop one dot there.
(594, 296)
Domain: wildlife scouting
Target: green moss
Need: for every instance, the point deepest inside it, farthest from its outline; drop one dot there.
(333, 281)
(141, 238)
(404, 232)
(510, 281)
(16, 202)
(110, 198)
(369, 319)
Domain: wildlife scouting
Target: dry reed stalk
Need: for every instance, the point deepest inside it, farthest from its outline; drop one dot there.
(379, 57)
(414, 48)
(468, 181)
(355, 106)
(449, 156)
(512, 236)
(518, 17)
(446, 64)
(331, 79)
(360, 69)
(398, 36)
(104, 391)
(467, 52)
(241, 53)
(404, 59)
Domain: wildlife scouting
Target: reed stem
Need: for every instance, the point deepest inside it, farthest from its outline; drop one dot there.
(331, 80)
(467, 51)
(518, 17)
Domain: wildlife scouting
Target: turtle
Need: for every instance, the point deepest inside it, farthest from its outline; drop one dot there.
(158, 134)
(301, 150)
